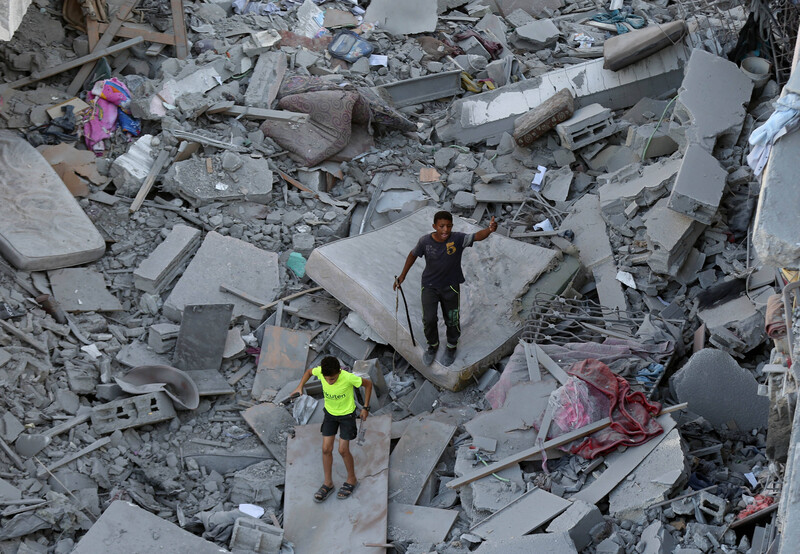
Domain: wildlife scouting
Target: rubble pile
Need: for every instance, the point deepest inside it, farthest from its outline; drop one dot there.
(193, 215)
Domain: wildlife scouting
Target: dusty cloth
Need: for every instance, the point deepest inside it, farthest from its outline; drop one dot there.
(760, 502)
(631, 414)
(774, 320)
(110, 101)
(337, 115)
(624, 357)
(516, 371)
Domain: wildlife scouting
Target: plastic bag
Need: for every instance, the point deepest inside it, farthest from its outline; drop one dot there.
(575, 405)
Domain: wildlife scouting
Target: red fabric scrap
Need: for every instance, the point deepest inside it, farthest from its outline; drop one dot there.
(632, 421)
(760, 502)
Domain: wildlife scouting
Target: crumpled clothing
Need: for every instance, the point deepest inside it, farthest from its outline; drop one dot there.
(761, 501)
(774, 319)
(110, 101)
(783, 120)
(623, 357)
(632, 415)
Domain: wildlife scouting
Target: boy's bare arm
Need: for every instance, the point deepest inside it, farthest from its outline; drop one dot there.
(367, 384)
(484, 233)
(306, 376)
(402, 277)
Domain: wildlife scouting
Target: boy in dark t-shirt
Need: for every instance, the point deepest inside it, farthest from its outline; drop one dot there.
(441, 280)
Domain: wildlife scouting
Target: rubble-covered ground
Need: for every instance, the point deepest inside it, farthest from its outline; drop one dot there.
(650, 191)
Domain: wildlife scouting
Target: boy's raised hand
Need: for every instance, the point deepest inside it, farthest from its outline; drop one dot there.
(492, 225)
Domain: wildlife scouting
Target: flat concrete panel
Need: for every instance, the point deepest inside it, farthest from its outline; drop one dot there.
(525, 514)
(498, 271)
(349, 523)
(272, 424)
(560, 543)
(419, 523)
(79, 289)
(226, 261)
(124, 527)
(201, 339)
(403, 18)
(415, 456)
(284, 353)
(42, 226)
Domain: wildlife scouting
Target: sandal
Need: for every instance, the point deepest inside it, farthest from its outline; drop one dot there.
(322, 493)
(346, 490)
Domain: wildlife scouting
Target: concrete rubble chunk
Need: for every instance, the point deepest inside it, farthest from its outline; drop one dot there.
(488, 115)
(144, 409)
(80, 289)
(537, 542)
(536, 8)
(229, 261)
(537, 35)
(577, 520)
(670, 237)
(656, 539)
(532, 125)
(711, 374)
(42, 226)
(587, 125)
(165, 262)
(161, 337)
(622, 50)
(650, 141)
(192, 180)
(736, 326)
(403, 18)
(129, 170)
(266, 80)
(710, 109)
(663, 470)
(253, 535)
(634, 183)
(699, 186)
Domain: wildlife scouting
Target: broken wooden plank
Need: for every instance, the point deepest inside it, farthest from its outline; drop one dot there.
(179, 30)
(260, 114)
(23, 336)
(99, 443)
(144, 190)
(532, 361)
(289, 297)
(117, 19)
(552, 443)
(77, 62)
(241, 294)
(548, 363)
(128, 31)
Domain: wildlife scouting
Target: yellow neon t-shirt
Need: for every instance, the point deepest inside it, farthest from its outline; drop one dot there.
(339, 397)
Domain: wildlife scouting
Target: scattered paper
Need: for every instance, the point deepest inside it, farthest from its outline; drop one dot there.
(752, 479)
(379, 59)
(544, 226)
(221, 186)
(92, 350)
(626, 279)
(536, 184)
(252, 510)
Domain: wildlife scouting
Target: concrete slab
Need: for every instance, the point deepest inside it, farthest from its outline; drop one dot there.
(136, 531)
(513, 192)
(737, 325)
(536, 35)
(699, 186)
(81, 289)
(266, 79)
(577, 520)
(711, 103)
(711, 374)
(167, 259)
(522, 516)
(415, 456)
(403, 18)
(284, 354)
(42, 226)
(423, 399)
(652, 481)
(230, 261)
(201, 339)
(641, 184)
(656, 539)
(364, 516)
(776, 227)
(419, 523)
(318, 308)
(210, 382)
(190, 179)
(488, 115)
(486, 496)
(670, 236)
(410, 92)
(537, 8)
(339, 267)
(539, 542)
(273, 424)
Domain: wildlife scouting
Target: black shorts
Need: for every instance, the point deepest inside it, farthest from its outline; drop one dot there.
(346, 425)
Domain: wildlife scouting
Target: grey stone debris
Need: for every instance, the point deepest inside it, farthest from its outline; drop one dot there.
(699, 186)
(166, 261)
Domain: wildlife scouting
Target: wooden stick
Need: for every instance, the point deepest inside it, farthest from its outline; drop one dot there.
(23, 336)
(127, 31)
(179, 29)
(12, 455)
(105, 41)
(552, 443)
(71, 458)
(77, 62)
(241, 294)
(144, 190)
(289, 297)
(294, 182)
(250, 112)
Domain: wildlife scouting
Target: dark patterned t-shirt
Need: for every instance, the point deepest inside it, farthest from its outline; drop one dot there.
(442, 259)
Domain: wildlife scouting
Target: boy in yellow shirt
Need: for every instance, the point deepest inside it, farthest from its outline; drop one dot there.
(338, 388)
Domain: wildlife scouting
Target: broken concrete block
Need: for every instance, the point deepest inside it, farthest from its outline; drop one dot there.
(80, 289)
(403, 18)
(129, 170)
(587, 125)
(642, 185)
(538, 542)
(710, 109)
(192, 180)
(252, 535)
(536, 8)
(622, 50)
(265, 80)
(649, 141)
(735, 326)
(464, 200)
(710, 375)
(656, 539)
(410, 92)
(473, 47)
(488, 115)
(537, 35)
(135, 411)
(230, 261)
(532, 125)
(577, 520)
(259, 484)
(166, 261)
(699, 186)
(557, 183)
(670, 236)
(42, 226)
(652, 481)
(162, 336)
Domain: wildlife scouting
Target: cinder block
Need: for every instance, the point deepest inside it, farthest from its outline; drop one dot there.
(162, 337)
(578, 521)
(699, 186)
(132, 412)
(670, 237)
(713, 506)
(163, 264)
(252, 535)
(587, 125)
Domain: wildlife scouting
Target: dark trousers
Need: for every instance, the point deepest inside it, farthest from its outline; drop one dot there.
(448, 299)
